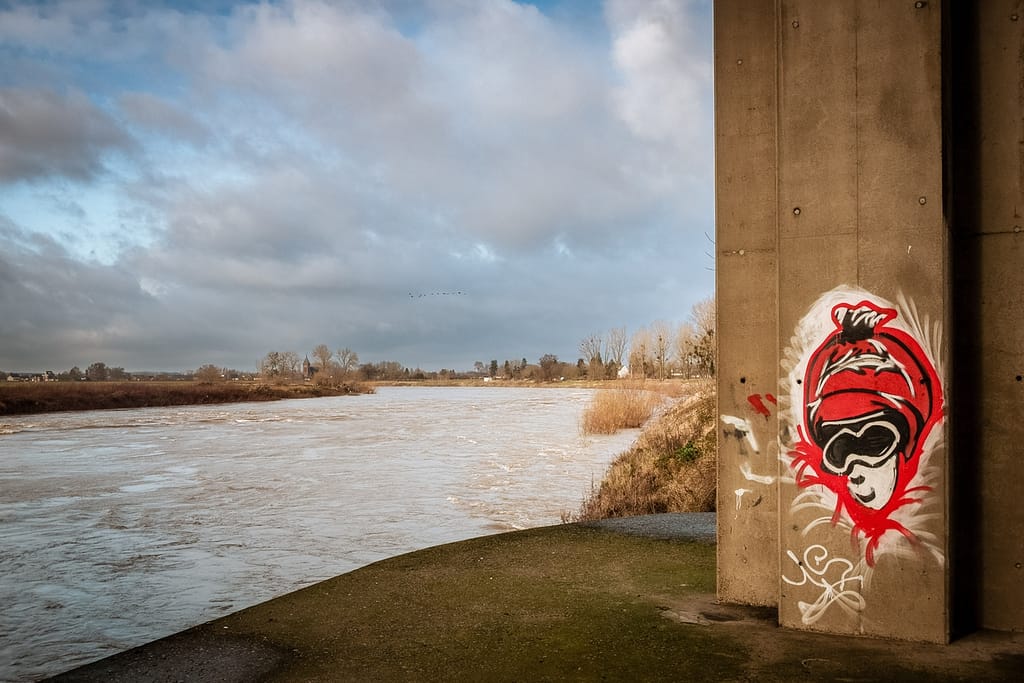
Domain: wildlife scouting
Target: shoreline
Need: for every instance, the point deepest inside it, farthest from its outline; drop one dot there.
(33, 398)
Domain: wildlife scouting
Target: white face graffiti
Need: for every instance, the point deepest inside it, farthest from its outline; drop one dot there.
(864, 417)
(864, 450)
(873, 486)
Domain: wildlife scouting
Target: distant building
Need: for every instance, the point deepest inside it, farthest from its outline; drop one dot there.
(308, 370)
(47, 376)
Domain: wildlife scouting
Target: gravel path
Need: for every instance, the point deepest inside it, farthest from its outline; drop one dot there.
(689, 526)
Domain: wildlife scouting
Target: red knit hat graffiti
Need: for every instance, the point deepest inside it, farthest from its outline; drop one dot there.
(871, 397)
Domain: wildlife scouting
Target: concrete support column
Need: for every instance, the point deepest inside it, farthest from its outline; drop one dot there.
(987, 107)
(834, 313)
(870, 237)
(747, 278)
(864, 313)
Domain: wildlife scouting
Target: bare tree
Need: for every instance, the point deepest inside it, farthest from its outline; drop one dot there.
(661, 346)
(279, 366)
(548, 366)
(97, 372)
(291, 363)
(640, 361)
(208, 373)
(348, 360)
(323, 355)
(704, 321)
(686, 344)
(703, 315)
(694, 343)
(615, 347)
(269, 366)
(590, 348)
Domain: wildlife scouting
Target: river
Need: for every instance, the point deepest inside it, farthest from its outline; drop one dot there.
(119, 527)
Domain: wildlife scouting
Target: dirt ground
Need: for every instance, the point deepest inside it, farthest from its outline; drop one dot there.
(562, 603)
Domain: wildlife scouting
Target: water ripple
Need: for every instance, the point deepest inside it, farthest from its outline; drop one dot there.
(119, 527)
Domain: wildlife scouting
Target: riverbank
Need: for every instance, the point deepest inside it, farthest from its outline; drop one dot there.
(27, 398)
(671, 467)
(618, 600)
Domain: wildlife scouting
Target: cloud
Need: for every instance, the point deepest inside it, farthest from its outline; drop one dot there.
(160, 116)
(292, 171)
(492, 117)
(667, 79)
(59, 308)
(44, 134)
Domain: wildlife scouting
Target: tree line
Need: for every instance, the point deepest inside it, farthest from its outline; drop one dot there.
(327, 367)
(101, 372)
(687, 350)
(658, 351)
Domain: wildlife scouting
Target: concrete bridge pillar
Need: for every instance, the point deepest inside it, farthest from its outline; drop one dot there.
(870, 293)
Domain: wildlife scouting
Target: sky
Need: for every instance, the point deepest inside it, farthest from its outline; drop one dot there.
(433, 182)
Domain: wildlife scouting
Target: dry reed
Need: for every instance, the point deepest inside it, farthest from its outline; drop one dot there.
(22, 398)
(670, 468)
(626, 407)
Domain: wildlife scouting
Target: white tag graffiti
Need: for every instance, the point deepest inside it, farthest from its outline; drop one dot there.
(818, 570)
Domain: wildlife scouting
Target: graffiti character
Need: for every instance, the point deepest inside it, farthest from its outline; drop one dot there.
(871, 396)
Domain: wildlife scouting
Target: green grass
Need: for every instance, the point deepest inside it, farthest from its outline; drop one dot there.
(563, 603)
(575, 604)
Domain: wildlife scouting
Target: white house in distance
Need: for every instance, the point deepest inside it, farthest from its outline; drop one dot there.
(47, 376)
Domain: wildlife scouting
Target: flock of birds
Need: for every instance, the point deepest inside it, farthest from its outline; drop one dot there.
(423, 294)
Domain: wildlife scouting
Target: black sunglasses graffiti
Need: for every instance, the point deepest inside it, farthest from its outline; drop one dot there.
(871, 397)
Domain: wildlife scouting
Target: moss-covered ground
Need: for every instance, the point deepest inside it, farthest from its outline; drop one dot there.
(564, 603)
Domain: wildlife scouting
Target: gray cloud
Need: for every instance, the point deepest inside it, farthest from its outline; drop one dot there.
(59, 308)
(43, 133)
(160, 116)
(494, 119)
(303, 167)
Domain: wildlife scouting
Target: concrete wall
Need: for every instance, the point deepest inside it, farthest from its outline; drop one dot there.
(987, 108)
(860, 194)
(747, 279)
(869, 192)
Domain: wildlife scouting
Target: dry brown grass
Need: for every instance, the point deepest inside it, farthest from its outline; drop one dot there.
(23, 398)
(625, 407)
(670, 468)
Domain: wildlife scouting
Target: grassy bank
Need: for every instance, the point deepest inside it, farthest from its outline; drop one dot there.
(672, 465)
(24, 398)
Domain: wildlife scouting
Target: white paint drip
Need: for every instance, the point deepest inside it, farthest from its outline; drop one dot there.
(739, 496)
